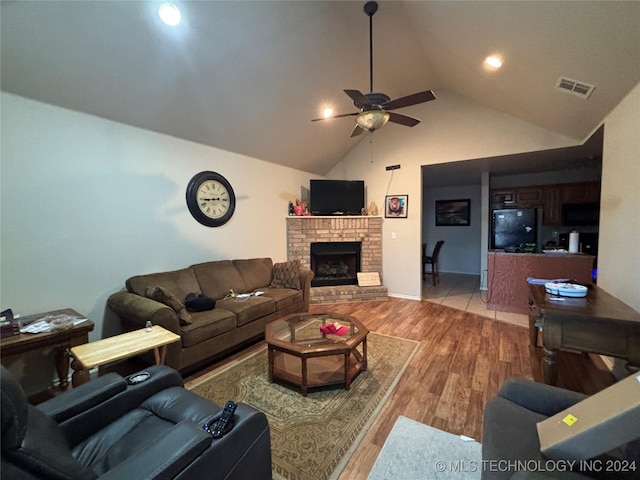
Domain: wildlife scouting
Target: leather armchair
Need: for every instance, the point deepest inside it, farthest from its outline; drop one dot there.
(509, 434)
(110, 429)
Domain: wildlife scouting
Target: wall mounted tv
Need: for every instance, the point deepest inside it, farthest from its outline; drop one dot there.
(336, 197)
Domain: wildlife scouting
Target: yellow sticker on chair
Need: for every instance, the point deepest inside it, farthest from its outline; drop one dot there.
(569, 419)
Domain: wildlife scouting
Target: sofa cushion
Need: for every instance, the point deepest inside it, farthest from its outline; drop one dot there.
(286, 275)
(178, 282)
(256, 272)
(285, 297)
(162, 295)
(249, 309)
(206, 325)
(217, 278)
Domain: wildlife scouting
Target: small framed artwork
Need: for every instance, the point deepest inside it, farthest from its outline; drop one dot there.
(395, 206)
(453, 213)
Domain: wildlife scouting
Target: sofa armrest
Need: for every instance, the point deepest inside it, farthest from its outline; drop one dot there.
(539, 397)
(168, 456)
(306, 275)
(135, 311)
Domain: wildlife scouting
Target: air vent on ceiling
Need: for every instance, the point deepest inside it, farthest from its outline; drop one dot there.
(574, 87)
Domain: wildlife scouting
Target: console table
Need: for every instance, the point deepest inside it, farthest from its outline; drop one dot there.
(598, 323)
(61, 342)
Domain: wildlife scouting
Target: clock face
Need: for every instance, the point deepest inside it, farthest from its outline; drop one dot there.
(210, 199)
(213, 199)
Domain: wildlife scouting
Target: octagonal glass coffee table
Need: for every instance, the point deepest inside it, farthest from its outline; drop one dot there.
(313, 350)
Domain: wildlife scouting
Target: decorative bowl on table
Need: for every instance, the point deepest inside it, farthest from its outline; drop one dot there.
(566, 289)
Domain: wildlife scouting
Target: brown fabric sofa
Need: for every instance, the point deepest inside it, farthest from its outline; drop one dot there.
(233, 322)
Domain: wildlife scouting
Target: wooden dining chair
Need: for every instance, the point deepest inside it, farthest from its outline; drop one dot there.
(431, 260)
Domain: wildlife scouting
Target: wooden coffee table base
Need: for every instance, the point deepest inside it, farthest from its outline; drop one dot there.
(314, 371)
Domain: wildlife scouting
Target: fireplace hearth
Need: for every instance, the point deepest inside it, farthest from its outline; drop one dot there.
(335, 263)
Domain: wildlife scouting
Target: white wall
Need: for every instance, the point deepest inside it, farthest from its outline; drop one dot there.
(452, 129)
(461, 250)
(87, 202)
(618, 251)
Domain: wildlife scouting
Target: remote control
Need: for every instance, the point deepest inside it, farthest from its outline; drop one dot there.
(225, 423)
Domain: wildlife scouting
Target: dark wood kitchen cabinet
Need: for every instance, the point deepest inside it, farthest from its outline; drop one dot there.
(584, 192)
(506, 197)
(530, 197)
(552, 210)
(549, 197)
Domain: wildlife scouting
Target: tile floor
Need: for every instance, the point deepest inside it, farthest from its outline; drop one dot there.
(463, 292)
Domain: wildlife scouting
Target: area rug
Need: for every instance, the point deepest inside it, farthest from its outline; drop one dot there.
(313, 437)
(415, 451)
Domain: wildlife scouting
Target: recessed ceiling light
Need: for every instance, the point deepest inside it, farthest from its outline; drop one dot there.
(327, 112)
(169, 14)
(493, 61)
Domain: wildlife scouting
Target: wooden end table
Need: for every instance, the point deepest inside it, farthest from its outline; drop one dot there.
(301, 355)
(598, 323)
(61, 342)
(118, 347)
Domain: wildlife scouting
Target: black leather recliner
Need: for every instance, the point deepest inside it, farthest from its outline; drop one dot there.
(108, 428)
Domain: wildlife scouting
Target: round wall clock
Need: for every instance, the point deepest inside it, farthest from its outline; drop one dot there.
(210, 199)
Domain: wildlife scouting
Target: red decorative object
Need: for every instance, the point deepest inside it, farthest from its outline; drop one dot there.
(335, 329)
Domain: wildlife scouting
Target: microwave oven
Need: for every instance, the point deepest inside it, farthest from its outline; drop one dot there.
(580, 214)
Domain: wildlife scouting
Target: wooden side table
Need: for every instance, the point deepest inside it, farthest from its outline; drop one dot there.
(118, 347)
(598, 323)
(61, 342)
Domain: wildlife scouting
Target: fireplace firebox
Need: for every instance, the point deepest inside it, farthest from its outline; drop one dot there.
(335, 263)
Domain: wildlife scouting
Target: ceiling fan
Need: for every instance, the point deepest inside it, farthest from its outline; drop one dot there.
(375, 108)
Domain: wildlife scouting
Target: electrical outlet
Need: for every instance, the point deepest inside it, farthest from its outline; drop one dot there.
(393, 167)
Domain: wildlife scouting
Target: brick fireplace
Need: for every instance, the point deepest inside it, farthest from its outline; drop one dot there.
(366, 231)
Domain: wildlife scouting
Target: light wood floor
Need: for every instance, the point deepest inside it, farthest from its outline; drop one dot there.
(462, 291)
(462, 361)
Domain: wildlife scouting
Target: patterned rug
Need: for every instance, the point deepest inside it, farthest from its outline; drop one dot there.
(313, 437)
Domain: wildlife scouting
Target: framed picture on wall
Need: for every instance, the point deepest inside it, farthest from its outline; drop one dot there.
(395, 206)
(453, 213)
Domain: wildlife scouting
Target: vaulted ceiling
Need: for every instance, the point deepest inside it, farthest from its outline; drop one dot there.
(249, 76)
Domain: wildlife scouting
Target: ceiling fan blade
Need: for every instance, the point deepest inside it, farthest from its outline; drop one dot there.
(358, 97)
(409, 100)
(403, 119)
(356, 131)
(335, 116)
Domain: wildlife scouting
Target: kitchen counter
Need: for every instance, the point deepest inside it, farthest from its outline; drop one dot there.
(507, 275)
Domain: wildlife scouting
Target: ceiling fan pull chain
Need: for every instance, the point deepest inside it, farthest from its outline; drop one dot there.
(371, 146)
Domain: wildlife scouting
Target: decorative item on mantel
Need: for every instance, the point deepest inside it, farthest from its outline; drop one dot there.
(373, 208)
(300, 209)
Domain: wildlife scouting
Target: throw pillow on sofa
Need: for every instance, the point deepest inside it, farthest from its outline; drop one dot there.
(199, 302)
(162, 295)
(286, 275)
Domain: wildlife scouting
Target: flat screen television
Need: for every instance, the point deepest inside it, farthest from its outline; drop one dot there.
(336, 197)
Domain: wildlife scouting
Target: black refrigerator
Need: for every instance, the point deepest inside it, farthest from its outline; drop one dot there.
(513, 227)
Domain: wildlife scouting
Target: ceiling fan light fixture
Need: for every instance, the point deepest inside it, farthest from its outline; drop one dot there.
(372, 120)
